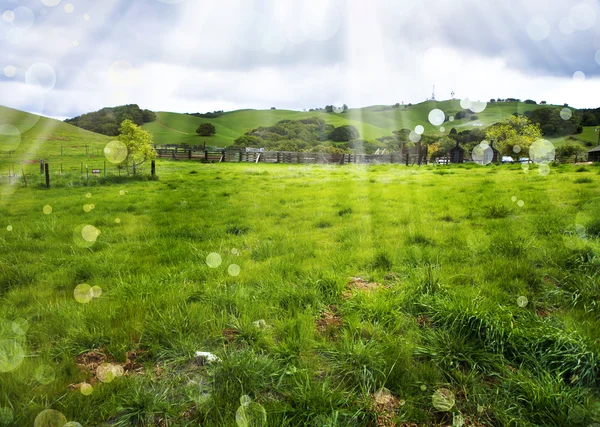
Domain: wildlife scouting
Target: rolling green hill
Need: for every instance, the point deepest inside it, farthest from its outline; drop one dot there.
(372, 122)
(25, 136)
(29, 136)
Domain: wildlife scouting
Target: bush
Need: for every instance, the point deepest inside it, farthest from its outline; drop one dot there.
(344, 133)
(206, 129)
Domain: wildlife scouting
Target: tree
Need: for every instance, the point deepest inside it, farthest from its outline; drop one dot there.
(108, 120)
(206, 129)
(553, 124)
(344, 133)
(138, 143)
(441, 147)
(514, 135)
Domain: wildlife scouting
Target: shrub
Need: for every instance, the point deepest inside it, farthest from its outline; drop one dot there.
(206, 129)
(344, 133)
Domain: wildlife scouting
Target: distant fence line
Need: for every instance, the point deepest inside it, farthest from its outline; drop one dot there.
(219, 155)
(237, 156)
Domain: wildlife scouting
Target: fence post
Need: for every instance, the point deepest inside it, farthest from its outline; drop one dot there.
(240, 155)
(206, 155)
(222, 156)
(190, 155)
(87, 173)
(47, 170)
(41, 165)
(153, 168)
(278, 156)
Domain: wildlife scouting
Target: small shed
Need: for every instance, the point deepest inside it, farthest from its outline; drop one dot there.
(496, 157)
(594, 154)
(457, 154)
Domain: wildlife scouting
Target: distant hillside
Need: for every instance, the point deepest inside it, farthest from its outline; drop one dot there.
(107, 120)
(372, 122)
(29, 136)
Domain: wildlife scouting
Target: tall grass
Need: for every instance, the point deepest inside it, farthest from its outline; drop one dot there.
(334, 282)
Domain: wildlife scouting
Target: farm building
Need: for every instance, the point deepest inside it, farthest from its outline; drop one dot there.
(594, 154)
(457, 154)
(496, 156)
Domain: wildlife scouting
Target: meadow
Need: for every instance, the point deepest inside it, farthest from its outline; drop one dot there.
(328, 295)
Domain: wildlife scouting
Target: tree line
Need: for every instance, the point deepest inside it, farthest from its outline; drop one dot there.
(107, 121)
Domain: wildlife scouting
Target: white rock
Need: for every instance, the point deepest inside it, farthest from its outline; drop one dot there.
(209, 357)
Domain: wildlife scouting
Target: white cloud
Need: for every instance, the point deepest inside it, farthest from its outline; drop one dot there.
(203, 55)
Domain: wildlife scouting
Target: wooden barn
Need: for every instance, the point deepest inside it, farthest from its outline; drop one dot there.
(496, 157)
(594, 154)
(457, 154)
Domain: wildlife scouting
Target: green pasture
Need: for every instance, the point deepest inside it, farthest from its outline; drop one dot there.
(320, 289)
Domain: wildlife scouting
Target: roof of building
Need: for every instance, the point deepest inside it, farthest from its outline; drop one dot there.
(595, 150)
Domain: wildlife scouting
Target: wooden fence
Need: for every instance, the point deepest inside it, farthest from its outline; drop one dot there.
(237, 155)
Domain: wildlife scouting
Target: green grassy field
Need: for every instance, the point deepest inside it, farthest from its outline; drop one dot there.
(41, 137)
(372, 122)
(344, 295)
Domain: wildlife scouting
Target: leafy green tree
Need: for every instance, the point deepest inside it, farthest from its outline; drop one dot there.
(138, 143)
(513, 132)
(248, 141)
(206, 129)
(441, 147)
(552, 124)
(344, 133)
(108, 120)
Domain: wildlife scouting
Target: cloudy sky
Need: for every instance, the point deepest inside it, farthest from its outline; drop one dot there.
(62, 58)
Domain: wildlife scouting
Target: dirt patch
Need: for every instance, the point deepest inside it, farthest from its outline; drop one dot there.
(229, 334)
(550, 280)
(424, 322)
(385, 406)
(543, 312)
(357, 284)
(330, 320)
(90, 362)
